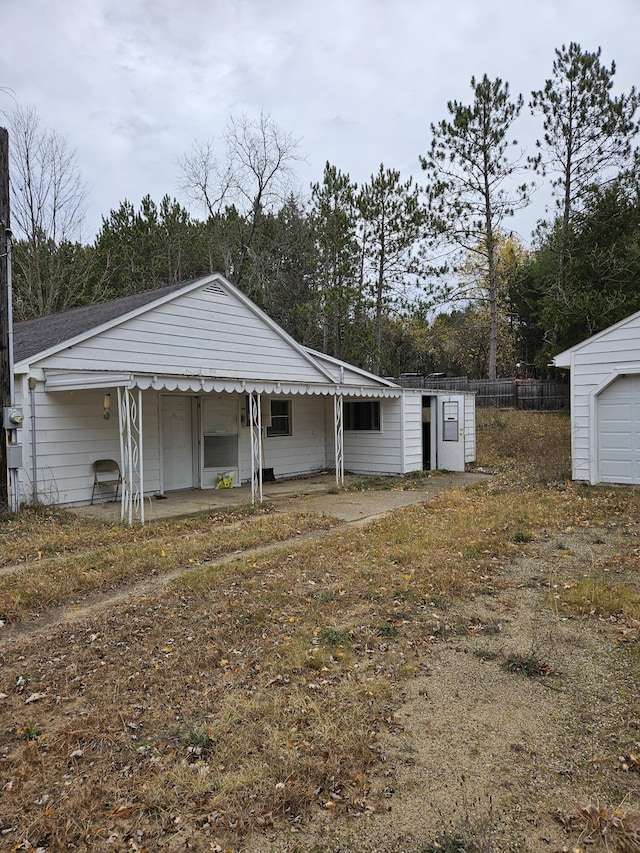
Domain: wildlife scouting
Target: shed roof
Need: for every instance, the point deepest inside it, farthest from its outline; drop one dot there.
(563, 359)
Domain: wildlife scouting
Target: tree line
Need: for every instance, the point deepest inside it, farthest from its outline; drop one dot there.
(391, 275)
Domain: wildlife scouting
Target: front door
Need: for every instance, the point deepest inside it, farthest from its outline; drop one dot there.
(450, 419)
(177, 443)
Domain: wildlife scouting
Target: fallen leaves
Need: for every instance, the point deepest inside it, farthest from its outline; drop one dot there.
(34, 697)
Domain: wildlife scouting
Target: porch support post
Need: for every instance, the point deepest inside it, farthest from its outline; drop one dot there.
(130, 422)
(255, 422)
(338, 410)
(139, 465)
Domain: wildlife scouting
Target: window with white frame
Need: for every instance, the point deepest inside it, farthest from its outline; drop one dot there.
(280, 418)
(362, 415)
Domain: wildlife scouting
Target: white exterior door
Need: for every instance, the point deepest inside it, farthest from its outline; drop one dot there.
(619, 431)
(450, 427)
(177, 443)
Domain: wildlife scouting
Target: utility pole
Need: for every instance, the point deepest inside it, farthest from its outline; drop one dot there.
(5, 339)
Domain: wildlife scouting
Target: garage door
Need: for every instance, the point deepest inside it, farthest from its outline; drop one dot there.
(619, 431)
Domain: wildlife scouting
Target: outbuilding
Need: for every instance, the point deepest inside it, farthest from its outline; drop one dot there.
(192, 386)
(605, 404)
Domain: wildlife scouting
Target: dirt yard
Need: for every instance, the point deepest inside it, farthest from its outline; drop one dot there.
(460, 675)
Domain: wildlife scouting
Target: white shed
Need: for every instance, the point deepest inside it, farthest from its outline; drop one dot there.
(605, 404)
(187, 383)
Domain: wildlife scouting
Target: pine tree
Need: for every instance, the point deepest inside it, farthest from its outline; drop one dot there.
(472, 183)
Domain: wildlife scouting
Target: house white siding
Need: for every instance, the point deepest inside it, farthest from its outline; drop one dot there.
(412, 442)
(596, 365)
(202, 333)
(72, 434)
(305, 449)
(373, 452)
(205, 343)
(469, 428)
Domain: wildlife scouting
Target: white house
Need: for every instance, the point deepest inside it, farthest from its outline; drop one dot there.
(605, 404)
(186, 383)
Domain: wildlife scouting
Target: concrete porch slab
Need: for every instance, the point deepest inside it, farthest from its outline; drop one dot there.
(314, 493)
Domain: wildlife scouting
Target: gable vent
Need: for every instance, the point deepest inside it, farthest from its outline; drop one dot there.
(214, 288)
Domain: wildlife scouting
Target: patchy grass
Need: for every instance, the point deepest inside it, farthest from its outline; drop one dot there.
(528, 445)
(254, 694)
(610, 587)
(62, 564)
(527, 664)
(616, 826)
(40, 532)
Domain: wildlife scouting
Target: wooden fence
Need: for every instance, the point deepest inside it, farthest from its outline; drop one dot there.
(534, 395)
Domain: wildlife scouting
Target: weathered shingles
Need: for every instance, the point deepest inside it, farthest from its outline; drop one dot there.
(34, 336)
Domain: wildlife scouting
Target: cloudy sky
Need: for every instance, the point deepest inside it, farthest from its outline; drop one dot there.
(132, 83)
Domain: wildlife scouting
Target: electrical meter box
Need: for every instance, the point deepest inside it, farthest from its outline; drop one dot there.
(14, 456)
(12, 417)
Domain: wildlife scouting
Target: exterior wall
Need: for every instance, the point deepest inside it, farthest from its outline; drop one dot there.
(370, 452)
(469, 427)
(71, 434)
(582, 456)
(303, 452)
(412, 419)
(205, 333)
(592, 364)
(305, 449)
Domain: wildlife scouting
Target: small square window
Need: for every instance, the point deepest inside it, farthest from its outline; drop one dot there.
(362, 415)
(450, 421)
(280, 418)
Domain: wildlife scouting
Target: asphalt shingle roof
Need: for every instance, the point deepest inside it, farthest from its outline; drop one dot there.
(34, 336)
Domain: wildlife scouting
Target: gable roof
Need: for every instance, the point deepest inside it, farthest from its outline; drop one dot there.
(563, 359)
(31, 337)
(88, 347)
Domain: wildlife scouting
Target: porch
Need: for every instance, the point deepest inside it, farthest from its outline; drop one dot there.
(314, 493)
(191, 501)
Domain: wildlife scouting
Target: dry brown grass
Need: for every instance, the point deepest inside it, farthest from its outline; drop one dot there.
(532, 445)
(245, 695)
(51, 556)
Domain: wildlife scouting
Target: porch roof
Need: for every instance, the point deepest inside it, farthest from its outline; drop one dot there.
(70, 380)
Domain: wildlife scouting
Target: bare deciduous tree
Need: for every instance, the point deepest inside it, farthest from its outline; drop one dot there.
(47, 192)
(254, 176)
(202, 181)
(52, 270)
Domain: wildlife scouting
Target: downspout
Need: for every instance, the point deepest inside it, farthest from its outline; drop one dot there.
(141, 461)
(34, 462)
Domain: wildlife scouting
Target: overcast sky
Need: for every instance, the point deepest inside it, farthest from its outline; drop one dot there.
(132, 83)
